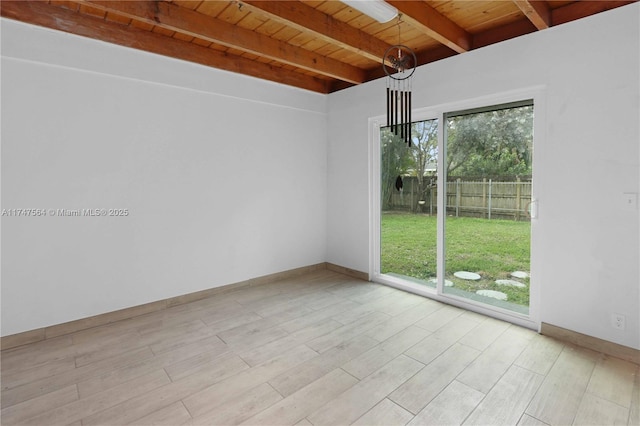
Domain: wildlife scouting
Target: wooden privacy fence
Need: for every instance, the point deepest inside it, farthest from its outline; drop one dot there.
(486, 198)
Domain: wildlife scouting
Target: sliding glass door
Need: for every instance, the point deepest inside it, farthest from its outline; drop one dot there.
(488, 174)
(453, 218)
(408, 222)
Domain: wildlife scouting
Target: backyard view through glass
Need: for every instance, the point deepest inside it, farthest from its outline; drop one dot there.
(488, 173)
(408, 220)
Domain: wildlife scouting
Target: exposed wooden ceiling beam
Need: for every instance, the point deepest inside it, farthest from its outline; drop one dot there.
(536, 11)
(582, 9)
(58, 18)
(306, 18)
(427, 19)
(503, 32)
(195, 24)
(561, 15)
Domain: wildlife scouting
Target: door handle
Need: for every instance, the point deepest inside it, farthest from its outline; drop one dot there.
(531, 209)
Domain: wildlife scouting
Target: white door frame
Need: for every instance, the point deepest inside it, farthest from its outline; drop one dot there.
(437, 112)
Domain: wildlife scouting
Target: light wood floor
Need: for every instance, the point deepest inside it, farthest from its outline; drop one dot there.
(321, 349)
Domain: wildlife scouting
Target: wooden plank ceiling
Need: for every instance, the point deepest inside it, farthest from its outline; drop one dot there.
(322, 46)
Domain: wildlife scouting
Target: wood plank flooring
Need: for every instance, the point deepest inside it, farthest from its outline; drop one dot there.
(319, 349)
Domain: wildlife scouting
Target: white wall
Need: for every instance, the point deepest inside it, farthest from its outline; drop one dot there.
(224, 177)
(586, 242)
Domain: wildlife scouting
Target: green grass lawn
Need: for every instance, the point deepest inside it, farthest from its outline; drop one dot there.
(491, 248)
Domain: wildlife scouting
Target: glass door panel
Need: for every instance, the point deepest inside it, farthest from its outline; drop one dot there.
(408, 202)
(487, 232)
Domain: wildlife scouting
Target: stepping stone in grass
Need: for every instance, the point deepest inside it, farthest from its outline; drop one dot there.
(464, 275)
(520, 274)
(493, 294)
(510, 283)
(433, 281)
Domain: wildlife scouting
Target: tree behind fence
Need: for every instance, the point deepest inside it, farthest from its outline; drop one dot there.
(496, 198)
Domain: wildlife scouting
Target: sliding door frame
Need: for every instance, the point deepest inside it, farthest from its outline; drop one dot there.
(537, 94)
